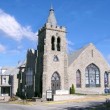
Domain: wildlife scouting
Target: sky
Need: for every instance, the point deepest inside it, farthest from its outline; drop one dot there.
(86, 21)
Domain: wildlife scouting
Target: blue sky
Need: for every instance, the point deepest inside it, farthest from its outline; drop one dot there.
(86, 21)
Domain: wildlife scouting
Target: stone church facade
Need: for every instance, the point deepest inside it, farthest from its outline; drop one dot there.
(56, 70)
(88, 71)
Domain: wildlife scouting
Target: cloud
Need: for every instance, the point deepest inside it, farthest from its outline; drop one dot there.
(19, 47)
(2, 48)
(70, 43)
(69, 46)
(12, 29)
(0, 70)
(15, 51)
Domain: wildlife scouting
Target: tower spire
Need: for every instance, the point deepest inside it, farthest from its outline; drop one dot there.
(51, 18)
(51, 8)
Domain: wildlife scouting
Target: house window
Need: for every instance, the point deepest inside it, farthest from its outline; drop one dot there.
(4, 80)
(92, 76)
(78, 79)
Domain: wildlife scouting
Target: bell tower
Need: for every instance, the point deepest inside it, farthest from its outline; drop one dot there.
(52, 60)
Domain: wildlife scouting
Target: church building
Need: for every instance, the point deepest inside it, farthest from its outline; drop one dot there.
(57, 70)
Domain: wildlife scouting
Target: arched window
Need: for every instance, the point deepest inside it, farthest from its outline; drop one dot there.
(55, 76)
(53, 43)
(92, 75)
(78, 79)
(106, 79)
(58, 44)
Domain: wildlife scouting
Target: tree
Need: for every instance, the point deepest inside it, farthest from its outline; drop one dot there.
(72, 89)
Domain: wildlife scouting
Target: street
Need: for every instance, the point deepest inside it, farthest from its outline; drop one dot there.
(49, 106)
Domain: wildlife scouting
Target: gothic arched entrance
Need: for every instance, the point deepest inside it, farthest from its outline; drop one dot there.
(55, 82)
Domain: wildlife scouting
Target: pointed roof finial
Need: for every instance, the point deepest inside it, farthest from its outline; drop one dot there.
(51, 8)
(51, 18)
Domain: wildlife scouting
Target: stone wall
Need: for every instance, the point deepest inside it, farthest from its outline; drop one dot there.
(52, 66)
(15, 84)
(82, 61)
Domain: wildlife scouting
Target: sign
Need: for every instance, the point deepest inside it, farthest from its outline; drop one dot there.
(49, 94)
(62, 92)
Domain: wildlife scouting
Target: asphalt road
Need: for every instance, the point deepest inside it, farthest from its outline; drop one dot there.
(64, 106)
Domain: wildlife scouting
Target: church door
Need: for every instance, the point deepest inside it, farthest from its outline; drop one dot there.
(55, 82)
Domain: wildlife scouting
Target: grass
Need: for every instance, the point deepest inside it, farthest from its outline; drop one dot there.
(22, 102)
(80, 94)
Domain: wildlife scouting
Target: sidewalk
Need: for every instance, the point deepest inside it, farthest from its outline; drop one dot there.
(87, 98)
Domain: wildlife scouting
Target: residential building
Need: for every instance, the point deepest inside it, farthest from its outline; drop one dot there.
(8, 81)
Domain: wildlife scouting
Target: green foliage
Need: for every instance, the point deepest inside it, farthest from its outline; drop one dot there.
(72, 89)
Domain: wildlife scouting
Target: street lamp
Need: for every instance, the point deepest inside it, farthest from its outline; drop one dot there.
(25, 91)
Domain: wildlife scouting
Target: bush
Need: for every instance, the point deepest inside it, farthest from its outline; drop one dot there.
(72, 89)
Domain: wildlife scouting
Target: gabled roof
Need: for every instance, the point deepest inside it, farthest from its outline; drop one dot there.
(11, 71)
(73, 56)
(2, 72)
(22, 64)
(51, 18)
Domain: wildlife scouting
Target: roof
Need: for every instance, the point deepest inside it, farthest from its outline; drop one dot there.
(22, 64)
(5, 68)
(72, 57)
(51, 18)
(11, 71)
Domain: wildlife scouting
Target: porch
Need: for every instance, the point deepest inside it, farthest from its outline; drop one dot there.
(5, 90)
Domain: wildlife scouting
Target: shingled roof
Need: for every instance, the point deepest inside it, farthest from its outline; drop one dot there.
(51, 18)
(11, 71)
(73, 56)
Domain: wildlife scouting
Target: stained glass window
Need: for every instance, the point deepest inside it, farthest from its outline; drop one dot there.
(92, 76)
(55, 76)
(78, 79)
(106, 79)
